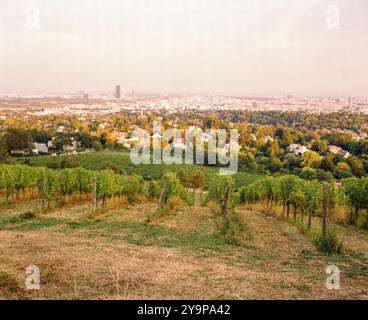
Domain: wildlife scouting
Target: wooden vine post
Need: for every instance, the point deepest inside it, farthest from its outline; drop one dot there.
(162, 194)
(324, 208)
(43, 193)
(94, 194)
(226, 207)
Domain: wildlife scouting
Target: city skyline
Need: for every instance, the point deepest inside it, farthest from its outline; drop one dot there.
(128, 92)
(236, 48)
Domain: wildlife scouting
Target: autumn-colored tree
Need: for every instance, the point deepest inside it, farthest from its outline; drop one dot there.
(311, 159)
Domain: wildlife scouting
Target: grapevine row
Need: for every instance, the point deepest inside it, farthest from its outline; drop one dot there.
(56, 184)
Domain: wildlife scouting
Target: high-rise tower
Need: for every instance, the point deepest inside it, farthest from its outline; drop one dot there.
(117, 92)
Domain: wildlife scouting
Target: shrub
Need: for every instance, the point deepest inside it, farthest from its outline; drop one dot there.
(53, 163)
(108, 165)
(186, 196)
(183, 177)
(198, 179)
(303, 229)
(204, 200)
(98, 212)
(71, 161)
(232, 229)
(153, 190)
(176, 202)
(329, 244)
(27, 215)
(161, 212)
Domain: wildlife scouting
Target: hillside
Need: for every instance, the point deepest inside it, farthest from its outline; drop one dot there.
(120, 255)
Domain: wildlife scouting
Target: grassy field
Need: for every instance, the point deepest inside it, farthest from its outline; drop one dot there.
(122, 254)
(122, 161)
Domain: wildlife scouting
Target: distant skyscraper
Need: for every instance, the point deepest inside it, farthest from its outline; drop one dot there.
(134, 97)
(117, 92)
(349, 107)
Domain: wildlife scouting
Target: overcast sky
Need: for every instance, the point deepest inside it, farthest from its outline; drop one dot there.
(239, 47)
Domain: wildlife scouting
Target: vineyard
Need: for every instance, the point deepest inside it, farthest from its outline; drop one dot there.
(288, 193)
(56, 185)
(293, 225)
(121, 162)
(304, 198)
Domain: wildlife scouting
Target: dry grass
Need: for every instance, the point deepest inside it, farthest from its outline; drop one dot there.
(118, 255)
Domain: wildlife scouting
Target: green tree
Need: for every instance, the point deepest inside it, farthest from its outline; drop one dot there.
(311, 159)
(17, 139)
(97, 146)
(3, 150)
(273, 148)
(313, 196)
(275, 164)
(286, 139)
(354, 190)
(288, 187)
(343, 171)
(328, 162)
(308, 173)
(62, 139)
(357, 166)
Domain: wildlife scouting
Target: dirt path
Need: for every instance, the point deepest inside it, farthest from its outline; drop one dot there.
(275, 235)
(197, 202)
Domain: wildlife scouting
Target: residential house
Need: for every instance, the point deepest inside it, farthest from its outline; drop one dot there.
(339, 151)
(40, 147)
(297, 149)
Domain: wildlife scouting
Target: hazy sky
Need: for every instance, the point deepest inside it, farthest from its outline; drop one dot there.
(184, 46)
